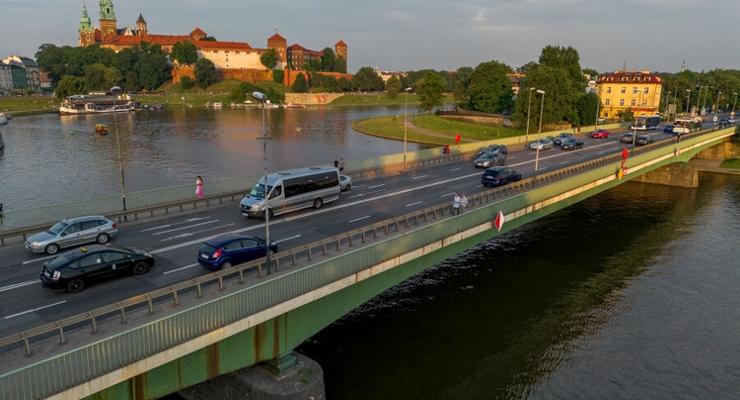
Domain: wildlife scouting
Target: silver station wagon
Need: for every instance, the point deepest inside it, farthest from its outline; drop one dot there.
(72, 232)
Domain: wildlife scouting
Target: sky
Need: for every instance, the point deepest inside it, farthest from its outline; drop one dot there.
(413, 34)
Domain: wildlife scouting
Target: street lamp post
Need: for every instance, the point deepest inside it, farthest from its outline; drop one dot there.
(716, 109)
(598, 105)
(263, 98)
(405, 120)
(539, 131)
(122, 179)
(706, 94)
(688, 102)
(529, 110)
(734, 102)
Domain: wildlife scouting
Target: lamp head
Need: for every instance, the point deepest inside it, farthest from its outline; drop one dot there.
(539, 91)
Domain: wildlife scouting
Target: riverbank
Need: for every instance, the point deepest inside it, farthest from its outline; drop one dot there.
(431, 129)
(28, 105)
(380, 99)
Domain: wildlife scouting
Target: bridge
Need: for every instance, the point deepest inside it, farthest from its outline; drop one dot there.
(178, 326)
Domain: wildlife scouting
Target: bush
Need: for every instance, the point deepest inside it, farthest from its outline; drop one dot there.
(278, 75)
(187, 82)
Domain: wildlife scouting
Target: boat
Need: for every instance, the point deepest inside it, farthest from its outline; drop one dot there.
(96, 104)
(218, 105)
(101, 129)
(294, 105)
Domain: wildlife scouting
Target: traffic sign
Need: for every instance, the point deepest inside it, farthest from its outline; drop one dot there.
(625, 153)
(498, 222)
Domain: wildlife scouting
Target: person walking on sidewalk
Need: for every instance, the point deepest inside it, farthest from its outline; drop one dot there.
(463, 201)
(456, 202)
(199, 187)
(341, 164)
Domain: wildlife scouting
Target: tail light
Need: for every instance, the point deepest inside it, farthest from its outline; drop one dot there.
(218, 253)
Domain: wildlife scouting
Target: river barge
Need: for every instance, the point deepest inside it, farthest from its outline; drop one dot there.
(96, 104)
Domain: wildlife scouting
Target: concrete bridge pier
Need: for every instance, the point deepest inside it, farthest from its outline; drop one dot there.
(292, 376)
(679, 174)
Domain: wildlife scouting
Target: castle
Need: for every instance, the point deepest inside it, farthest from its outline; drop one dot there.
(236, 60)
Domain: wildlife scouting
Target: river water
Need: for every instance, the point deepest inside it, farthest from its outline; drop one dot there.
(50, 158)
(630, 294)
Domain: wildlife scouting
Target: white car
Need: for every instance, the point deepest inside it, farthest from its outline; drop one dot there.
(542, 144)
(345, 183)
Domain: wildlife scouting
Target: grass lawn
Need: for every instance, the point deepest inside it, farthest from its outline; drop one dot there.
(733, 163)
(467, 130)
(220, 91)
(392, 128)
(18, 105)
(378, 99)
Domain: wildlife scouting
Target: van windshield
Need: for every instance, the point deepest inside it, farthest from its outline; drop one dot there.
(259, 191)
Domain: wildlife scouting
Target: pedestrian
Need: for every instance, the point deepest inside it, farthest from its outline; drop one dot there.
(341, 164)
(199, 187)
(456, 201)
(463, 201)
(336, 163)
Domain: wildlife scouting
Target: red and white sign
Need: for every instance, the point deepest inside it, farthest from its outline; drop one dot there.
(498, 222)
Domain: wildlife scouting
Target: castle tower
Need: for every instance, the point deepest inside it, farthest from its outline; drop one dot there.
(107, 18)
(141, 26)
(340, 50)
(87, 33)
(280, 45)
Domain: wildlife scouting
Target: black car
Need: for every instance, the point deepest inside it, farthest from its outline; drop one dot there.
(494, 149)
(76, 269)
(558, 140)
(497, 176)
(571, 144)
(626, 138)
(643, 140)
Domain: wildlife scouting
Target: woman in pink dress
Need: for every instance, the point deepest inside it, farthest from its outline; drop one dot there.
(199, 187)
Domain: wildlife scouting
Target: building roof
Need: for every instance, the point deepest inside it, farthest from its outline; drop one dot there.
(140, 20)
(207, 44)
(276, 36)
(297, 46)
(198, 32)
(341, 43)
(630, 76)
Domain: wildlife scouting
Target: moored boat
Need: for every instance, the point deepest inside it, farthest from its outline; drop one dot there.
(96, 104)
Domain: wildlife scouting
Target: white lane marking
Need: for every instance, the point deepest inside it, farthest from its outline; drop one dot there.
(414, 203)
(34, 310)
(376, 186)
(447, 194)
(38, 259)
(419, 176)
(563, 162)
(186, 227)
(455, 169)
(180, 269)
(173, 224)
(358, 219)
(17, 285)
(481, 185)
(188, 234)
(366, 194)
(360, 185)
(288, 238)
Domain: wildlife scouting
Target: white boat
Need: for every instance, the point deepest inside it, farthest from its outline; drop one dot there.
(218, 105)
(96, 104)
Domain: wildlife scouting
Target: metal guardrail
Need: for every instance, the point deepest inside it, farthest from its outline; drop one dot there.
(218, 312)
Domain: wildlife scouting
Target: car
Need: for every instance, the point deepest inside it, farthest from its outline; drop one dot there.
(75, 269)
(497, 176)
(489, 160)
(600, 134)
(494, 148)
(232, 249)
(668, 129)
(541, 144)
(643, 140)
(558, 140)
(72, 232)
(571, 144)
(732, 120)
(345, 183)
(626, 138)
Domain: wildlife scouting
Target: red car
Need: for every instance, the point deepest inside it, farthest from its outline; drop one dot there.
(600, 134)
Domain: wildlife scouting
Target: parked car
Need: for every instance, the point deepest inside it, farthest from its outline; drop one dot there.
(497, 176)
(643, 140)
(345, 183)
(494, 148)
(542, 144)
(72, 232)
(77, 268)
(489, 160)
(668, 129)
(626, 138)
(571, 144)
(558, 140)
(232, 249)
(600, 134)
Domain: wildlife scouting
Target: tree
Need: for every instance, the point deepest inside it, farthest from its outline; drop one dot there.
(626, 115)
(205, 72)
(269, 59)
(151, 66)
(70, 85)
(322, 83)
(587, 105)
(278, 75)
(131, 82)
(565, 58)
(100, 77)
(429, 90)
(187, 82)
(560, 96)
(340, 65)
(367, 80)
(300, 85)
(489, 89)
(184, 52)
(328, 60)
(393, 87)
(462, 81)
(344, 85)
(592, 73)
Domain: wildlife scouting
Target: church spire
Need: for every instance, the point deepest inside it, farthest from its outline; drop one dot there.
(106, 10)
(85, 21)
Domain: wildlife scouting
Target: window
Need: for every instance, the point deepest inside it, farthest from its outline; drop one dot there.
(646, 90)
(621, 102)
(92, 224)
(633, 102)
(248, 243)
(608, 89)
(634, 90)
(235, 245)
(74, 228)
(90, 260)
(623, 90)
(310, 183)
(113, 256)
(277, 191)
(644, 102)
(608, 102)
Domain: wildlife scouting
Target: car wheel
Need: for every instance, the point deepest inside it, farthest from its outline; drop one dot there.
(226, 265)
(52, 249)
(140, 268)
(75, 286)
(318, 203)
(103, 238)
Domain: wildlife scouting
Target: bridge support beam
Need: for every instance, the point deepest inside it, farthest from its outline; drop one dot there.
(679, 174)
(723, 151)
(304, 380)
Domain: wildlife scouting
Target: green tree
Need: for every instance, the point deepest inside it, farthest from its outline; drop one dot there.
(462, 81)
(344, 85)
(151, 66)
(70, 85)
(185, 53)
(205, 72)
(560, 96)
(300, 85)
(322, 83)
(328, 60)
(626, 115)
(131, 82)
(340, 65)
(565, 58)
(269, 59)
(100, 77)
(489, 89)
(312, 65)
(278, 75)
(430, 91)
(187, 82)
(367, 80)
(592, 73)
(587, 105)
(393, 87)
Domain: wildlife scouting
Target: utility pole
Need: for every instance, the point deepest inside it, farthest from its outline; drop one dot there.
(529, 110)
(263, 98)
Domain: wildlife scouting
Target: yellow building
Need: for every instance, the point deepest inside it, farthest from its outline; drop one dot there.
(619, 91)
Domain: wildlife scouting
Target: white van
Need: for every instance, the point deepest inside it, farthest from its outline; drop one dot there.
(292, 190)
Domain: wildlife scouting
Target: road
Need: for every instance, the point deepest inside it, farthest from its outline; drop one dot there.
(174, 239)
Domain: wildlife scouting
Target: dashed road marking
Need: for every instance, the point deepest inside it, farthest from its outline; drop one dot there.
(34, 310)
(358, 219)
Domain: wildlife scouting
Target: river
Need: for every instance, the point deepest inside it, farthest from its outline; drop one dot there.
(629, 294)
(51, 158)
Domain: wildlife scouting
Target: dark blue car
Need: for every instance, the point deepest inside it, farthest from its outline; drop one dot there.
(231, 249)
(668, 129)
(497, 176)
